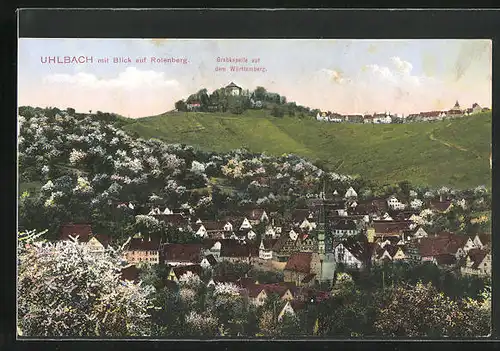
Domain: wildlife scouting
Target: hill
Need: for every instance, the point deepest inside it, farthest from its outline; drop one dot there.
(452, 152)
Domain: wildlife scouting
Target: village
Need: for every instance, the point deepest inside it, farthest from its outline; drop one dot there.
(335, 233)
(388, 118)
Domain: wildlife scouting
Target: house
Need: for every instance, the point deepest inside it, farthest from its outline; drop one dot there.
(283, 248)
(271, 232)
(212, 247)
(367, 119)
(390, 252)
(438, 248)
(416, 204)
(81, 231)
(257, 295)
(307, 225)
(266, 248)
(214, 229)
(395, 204)
(286, 310)
(440, 206)
(352, 253)
(299, 266)
(234, 251)
(182, 254)
(130, 273)
(344, 227)
(195, 105)
(178, 271)
(98, 243)
(299, 215)
(143, 250)
(95, 242)
(245, 225)
(354, 118)
(385, 228)
(420, 233)
(256, 216)
(477, 262)
(233, 89)
(350, 193)
(306, 243)
(209, 261)
(482, 241)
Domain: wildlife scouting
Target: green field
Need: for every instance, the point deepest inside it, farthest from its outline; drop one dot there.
(452, 152)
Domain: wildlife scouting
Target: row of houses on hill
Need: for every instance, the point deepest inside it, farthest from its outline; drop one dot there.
(387, 117)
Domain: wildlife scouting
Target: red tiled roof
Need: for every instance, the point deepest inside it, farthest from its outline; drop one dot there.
(130, 273)
(254, 290)
(446, 259)
(213, 225)
(269, 243)
(386, 227)
(477, 256)
(235, 249)
(440, 206)
(183, 252)
(141, 244)
(299, 262)
(83, 231)
(484, 238)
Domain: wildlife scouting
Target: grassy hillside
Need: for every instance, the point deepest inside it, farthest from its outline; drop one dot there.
(453, 153)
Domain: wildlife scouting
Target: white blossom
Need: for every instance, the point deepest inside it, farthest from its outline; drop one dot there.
(76, 156)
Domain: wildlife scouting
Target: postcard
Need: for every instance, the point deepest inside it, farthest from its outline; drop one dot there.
(254, 188)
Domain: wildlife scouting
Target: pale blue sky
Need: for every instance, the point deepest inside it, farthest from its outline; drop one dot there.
(347, 76)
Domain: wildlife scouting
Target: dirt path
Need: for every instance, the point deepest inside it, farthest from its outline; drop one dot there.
(432, 137)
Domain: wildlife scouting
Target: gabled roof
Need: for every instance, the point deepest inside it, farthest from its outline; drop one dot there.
(299, 262)
(269, 243)
(254, 290)
(484, 238)
(141, 244)
(280, 242)
(232, 85)
(183, 252)
(299, 215)
(131, 273)
(477, 256)
(359, 249)
(213, 225)
(446, 259)
(440, 206)
(235, 249)
(83, 231)
(344, 224)
(390, 227)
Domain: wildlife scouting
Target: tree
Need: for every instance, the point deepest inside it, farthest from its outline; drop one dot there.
(181, 106)
(277, 111)
(235, 104)
(260, 93)
(421, 311)
(65, 289)
(71, 111)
